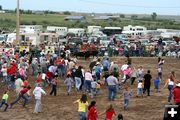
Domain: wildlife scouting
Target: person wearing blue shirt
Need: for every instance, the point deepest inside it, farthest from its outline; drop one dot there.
(98, 71)
(105, 64)
(156, 84)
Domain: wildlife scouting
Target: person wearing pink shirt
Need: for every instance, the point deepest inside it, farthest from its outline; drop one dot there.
(88, 80)
(127, 73)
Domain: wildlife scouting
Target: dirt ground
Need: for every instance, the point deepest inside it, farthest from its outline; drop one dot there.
(61, 107)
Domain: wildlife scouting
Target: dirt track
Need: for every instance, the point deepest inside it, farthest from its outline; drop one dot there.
(61, 107)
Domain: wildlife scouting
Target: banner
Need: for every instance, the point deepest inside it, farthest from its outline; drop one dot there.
(26, 48)
(49, 49)
(7, 51)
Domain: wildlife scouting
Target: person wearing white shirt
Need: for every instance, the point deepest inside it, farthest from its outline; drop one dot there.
(140, 89)
(4, 73)
(19, 85)
(43, 77)
(38, 91)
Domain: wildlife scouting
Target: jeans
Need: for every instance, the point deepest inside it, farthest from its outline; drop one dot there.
(2, 103)
(156, 87)
(54, 90)
(139, 91)
(82, 115)
(18, 98)
(88, 85)
(126, 78)
(68, 89)
(5, 79)
(43, 69)
(37, 106)
(140, 77)
(170, 87)
(77, 82)
(132, 80)
(33, 69)
(147, 87)
(93, 92)
(98, 76)
(126, 103)
(112, 92)
(43, 83)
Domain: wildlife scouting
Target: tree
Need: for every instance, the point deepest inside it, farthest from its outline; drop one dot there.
(122, 16)
(134, 16)
(154, 15)
(67, 13)
(0, 7)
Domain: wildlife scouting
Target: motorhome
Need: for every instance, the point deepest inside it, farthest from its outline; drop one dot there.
(29, 38)
(25, 38)
(49, 38)
(134, 30)
(76, 31)
(11, 37)
(31, 28)
(62, 31)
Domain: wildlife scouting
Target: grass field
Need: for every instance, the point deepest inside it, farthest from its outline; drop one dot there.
(8, 21)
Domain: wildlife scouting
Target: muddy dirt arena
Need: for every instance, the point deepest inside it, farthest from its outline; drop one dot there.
(61, 107)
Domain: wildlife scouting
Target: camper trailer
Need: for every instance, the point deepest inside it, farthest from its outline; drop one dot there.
(31, 28)
(25, 38)
(49, 38)
(62, 31)
(134, 30)
(76, 31)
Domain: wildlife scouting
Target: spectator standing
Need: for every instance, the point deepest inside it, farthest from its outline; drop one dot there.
(38, 91)
(147, 82)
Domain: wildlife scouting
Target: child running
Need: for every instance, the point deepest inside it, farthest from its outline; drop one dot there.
(4, 100)
(127, 95)
(109, 112)
(140, 89)
(22, 95)
(156, 84)
(38, 91)
(82, 106)
(92, 112)
(54, 86)
(68, 83)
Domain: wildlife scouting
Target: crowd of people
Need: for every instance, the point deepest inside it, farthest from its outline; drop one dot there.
(48, 68)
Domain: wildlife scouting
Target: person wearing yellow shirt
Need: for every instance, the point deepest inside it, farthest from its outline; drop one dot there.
(4, 100)
(82, 106)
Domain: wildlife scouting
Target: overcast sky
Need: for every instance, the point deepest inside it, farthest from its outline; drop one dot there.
(166, 7)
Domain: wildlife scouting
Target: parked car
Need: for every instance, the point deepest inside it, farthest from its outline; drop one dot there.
(75, 40)
(167, 43)
(104, 40)
(3, 38)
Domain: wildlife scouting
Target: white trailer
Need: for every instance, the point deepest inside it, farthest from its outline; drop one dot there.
(76, 31)
(62, 31)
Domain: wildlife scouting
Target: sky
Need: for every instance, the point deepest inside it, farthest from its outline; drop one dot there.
(163, 7)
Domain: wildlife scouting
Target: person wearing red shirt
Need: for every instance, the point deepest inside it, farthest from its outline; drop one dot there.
(25, 82)
(21, 95)
(12, 69)
(109, 112)
(92, 113)
(176, 94)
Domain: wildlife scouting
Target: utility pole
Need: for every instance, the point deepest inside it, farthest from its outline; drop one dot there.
(17, 23)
